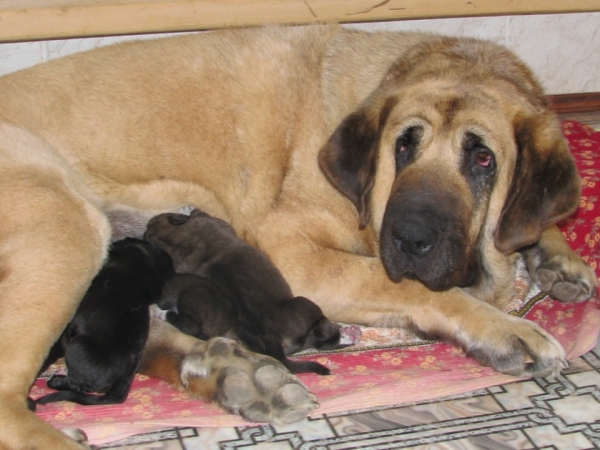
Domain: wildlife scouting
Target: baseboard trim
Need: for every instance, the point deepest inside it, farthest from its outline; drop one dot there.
(575, 103)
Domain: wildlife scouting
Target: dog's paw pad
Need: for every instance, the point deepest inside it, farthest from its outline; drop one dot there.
(295, 415)
(258, 411)
(294, 403)
(291, 394)
(220, 347)
(569, 292)
(562, 285)
(270, 376)
(237, 387)
(566, 277)
(257, 387)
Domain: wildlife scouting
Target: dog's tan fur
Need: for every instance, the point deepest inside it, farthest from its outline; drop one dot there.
(237, 123)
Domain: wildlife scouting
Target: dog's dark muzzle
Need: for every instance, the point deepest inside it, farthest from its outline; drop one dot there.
(414, 238)
(427, 242)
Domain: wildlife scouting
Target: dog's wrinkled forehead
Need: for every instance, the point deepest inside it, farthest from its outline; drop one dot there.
(452, 109)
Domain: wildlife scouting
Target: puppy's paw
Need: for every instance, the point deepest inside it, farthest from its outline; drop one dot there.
(350, 335)
(515, 346)
(58, 382)
(566, 277)
(257, 387)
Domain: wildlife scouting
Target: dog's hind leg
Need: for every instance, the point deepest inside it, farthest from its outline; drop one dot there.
(257, 387)
(51, 246)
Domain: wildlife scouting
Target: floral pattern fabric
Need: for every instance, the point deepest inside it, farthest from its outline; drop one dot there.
(389, 366)
(582, 230)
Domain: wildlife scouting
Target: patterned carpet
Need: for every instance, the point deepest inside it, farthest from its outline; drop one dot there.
(540, 413)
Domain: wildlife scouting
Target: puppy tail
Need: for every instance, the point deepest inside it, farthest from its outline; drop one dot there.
(275, 349)
(305, 367)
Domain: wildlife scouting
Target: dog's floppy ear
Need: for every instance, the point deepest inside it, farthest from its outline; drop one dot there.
(349, 158)
(545, 186)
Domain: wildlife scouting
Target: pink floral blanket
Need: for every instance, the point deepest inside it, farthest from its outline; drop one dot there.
(389, 366)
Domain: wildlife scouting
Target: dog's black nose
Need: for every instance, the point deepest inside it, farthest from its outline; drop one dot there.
(414, 239)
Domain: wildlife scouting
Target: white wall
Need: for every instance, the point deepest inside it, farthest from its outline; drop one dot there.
(563, 50)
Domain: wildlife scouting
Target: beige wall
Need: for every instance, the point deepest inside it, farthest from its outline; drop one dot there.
(563, 50)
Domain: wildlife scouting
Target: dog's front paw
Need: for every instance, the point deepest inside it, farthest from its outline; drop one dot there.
(257, 387)
(78, 436)
(515, 346)
(566, 277)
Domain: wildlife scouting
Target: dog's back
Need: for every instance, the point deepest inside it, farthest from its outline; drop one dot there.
(103, 343)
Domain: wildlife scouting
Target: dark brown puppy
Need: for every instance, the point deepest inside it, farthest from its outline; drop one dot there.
(235, 291)
(200, 307)
(103, 344)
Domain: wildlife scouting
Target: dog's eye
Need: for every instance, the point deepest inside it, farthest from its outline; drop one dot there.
(479, 159)
(478, 164)
(483, 158)
(406, 144)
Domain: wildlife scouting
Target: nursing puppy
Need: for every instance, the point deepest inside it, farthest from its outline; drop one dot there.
(103, 343)
(231, 289)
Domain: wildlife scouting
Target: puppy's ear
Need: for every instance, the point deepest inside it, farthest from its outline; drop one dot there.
(349, 158)
(177, 219)
(545, 186)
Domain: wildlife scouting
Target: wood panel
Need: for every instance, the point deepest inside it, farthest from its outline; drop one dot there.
(576, 103)
(47, 19)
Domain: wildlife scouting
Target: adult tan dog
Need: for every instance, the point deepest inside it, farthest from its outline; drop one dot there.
(390, 177)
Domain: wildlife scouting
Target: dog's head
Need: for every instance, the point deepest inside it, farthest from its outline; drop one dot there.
(455, 159)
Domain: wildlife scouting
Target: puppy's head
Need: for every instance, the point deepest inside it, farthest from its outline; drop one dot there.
(302, 325)
(189, 240)
(147, 258)
(455, 160)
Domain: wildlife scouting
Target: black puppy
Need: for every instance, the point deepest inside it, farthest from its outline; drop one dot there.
(236, 291)
(103, 343)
